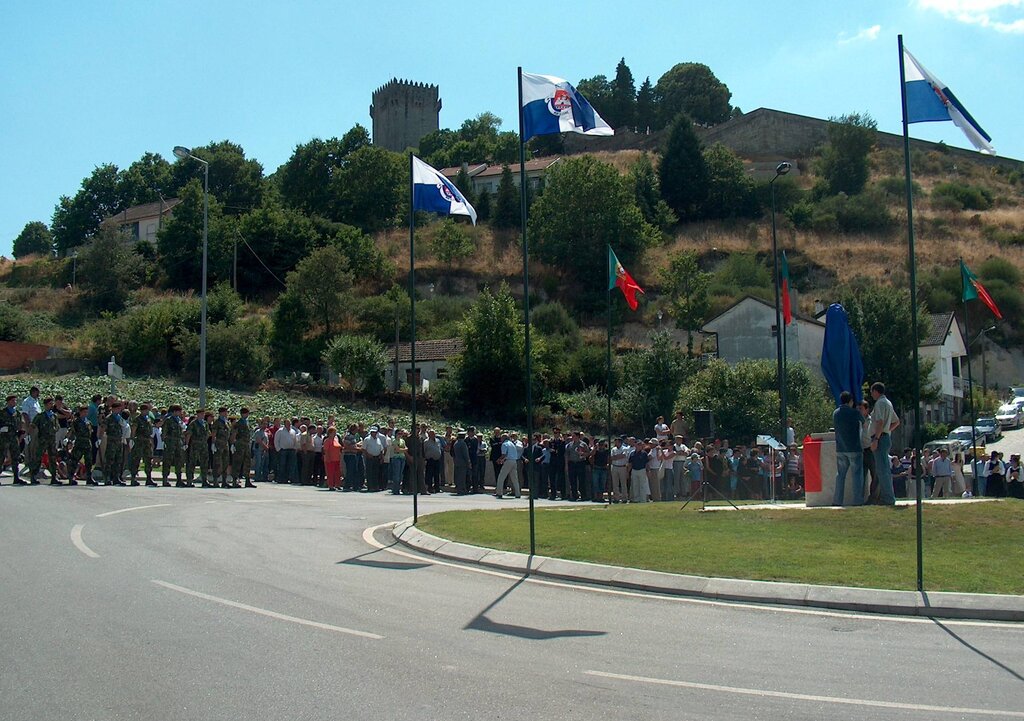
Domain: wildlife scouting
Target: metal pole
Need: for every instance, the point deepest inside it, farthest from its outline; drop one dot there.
(778, 325)
(916, 384)
(202, 327)
(526, 312)
(418, 442)
(234, 265)
(970, 383)
(396, 385)
(608, 376)
(984, 364)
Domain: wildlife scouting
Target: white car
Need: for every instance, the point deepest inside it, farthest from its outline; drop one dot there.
(1010, 415)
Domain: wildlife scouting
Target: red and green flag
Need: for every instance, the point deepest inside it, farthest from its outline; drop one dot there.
(973, 289)
(619, 278)
(787, 308)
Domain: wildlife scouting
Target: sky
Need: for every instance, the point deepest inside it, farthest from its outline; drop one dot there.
(90, 83)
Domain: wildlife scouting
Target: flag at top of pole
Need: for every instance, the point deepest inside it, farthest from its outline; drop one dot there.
(619, 278)
(929, 101)
(551, 105)
(973, 289)
(433, 192)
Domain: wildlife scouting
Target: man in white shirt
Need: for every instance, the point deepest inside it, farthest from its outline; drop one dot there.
(30, 407)
(883, 422)
(509, 461)
(285, 442)
(374, 446)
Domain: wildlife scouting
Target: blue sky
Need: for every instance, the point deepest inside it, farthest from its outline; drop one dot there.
(85, 84)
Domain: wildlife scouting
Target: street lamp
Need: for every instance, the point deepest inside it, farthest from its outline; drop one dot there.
(984, 338)
(74, 267)
(780, 170)
(183, 153)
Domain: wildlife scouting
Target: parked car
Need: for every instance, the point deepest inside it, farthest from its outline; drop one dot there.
(990, 427)
(1016, 391)
(1010, 415)
(963, 434)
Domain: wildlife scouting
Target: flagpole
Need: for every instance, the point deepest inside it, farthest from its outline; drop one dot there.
(526, 315)
(916, 384)
(970, 381)
(779, 333)
(608, 376)
(417, 446)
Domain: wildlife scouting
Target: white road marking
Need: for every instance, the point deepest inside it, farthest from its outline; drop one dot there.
(425, 558)
(808, 697)
(76, 538)
(133, 508)
(265, 612)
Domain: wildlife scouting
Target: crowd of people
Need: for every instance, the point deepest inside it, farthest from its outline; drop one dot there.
(117, 442)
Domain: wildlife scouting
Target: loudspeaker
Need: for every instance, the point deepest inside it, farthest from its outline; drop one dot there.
(704, 424)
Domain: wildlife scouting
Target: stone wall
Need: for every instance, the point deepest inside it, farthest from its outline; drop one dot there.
(403, 112)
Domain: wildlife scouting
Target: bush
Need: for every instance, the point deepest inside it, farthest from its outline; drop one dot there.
(960, 196)
(934, 431)
(13, 323)
(895, 188)
(143, 338)
(237, 354)
(359, 360)
(863, 213)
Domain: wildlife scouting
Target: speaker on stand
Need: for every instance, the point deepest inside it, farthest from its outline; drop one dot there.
(704, 424)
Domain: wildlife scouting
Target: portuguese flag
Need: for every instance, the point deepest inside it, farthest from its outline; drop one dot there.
(619, 278)
(787, 309)
(974, 289)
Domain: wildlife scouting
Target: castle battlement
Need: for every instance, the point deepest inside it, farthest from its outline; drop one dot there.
(403, 111)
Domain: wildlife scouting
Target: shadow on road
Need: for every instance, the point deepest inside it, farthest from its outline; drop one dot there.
(363, 559)
(978, 651)
(482, 623)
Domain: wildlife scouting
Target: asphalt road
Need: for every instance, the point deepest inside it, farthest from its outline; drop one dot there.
(277, 603)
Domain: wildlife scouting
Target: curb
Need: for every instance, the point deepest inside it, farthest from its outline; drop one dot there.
(929, 604)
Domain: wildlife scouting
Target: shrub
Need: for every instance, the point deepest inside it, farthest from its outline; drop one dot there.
(237, 354)
(960, 196)
(862, 213)
(13, 323)
(934, 431)
(1003, 236)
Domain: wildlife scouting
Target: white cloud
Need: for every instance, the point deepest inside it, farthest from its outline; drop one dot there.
(865, 35)
(1005, 16)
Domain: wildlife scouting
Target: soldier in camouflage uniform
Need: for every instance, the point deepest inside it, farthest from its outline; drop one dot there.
(142, 448)
(10, 424)
(173, 432)
(113, 458)
(81, 435)
(221, 448)
(44, 432)
(241, 449)
(196, 436)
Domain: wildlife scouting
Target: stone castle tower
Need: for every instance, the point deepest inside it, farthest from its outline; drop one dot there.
(403, 112)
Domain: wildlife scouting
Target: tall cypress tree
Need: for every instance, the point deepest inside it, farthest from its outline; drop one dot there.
(646, 111)
(683, 172)
(622, 109)
(506, 204)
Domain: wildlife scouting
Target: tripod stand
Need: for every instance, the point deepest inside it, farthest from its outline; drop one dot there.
(706, 486)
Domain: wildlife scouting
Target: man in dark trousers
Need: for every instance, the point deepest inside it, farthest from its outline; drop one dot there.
(461, 463)
(849, 454)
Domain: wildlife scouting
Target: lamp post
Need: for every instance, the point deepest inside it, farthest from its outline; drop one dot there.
(780, 170)
(183, 153)
(984, 339)
(74, 267)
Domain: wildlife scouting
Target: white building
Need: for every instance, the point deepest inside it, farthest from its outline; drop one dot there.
(431, 360)
(746, 330)
(488, 177)
(946, 347)
(143, 222)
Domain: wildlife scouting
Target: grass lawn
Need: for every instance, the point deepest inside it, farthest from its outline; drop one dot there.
(970, 547)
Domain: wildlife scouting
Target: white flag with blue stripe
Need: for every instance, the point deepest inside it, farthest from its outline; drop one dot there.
(551, 105)
(928, 100)
(434, 192)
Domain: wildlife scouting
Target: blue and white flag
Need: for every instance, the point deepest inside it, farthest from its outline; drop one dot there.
(551, 105)
(434, 192)
(928, 101)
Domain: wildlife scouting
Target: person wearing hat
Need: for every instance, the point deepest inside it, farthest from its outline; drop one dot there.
(241, 448)
(461, 463)
(113, 455)
(142, 445)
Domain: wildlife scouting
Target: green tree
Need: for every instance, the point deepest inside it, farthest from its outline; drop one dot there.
(731, 191)
(237, 353)
(108, 271)
(888, 356)
(490, 375)
(598, 90)
(305, 179)
(180, 241)
(686, 286)
(506, 204)
(236, 181)
(483, 206)
(358, 359)
(843, 165)
(370, 189)
(371, 268)
(622, 104)
(693, 89)
(291, 349)
(646, 108)
(683, 172)
(281, 236)
(13, 323)
(652, 378)
(322, 282)
(647, 190)
(147, 179)
(464, 184)
(77, 218)
(34, 239)
(587, 206)
(451, 244)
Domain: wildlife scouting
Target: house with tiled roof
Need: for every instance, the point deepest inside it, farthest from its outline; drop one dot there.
(432, 358)
(946, 347)
(143, 222)
(487, 177)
